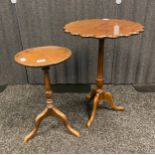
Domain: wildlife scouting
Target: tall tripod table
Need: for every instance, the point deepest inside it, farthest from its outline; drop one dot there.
(101, 29)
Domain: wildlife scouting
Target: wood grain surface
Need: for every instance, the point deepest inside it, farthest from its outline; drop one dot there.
(104, 28)
(42, 56)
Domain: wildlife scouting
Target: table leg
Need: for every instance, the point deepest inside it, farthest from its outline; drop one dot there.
(50, 110)
(95, 104)
(91, 95)
(99, 92)
(38, 121)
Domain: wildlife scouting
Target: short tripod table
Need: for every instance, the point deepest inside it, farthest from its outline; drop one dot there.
(101, 29)
(44, 57)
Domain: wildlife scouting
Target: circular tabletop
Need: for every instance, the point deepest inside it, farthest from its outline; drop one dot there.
(104, 28)
(43, 56)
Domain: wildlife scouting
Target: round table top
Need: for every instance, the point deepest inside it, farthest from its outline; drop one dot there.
(104, 28)
(43, 56)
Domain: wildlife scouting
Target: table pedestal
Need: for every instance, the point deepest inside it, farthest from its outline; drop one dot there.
(98, 94)
(50, 110)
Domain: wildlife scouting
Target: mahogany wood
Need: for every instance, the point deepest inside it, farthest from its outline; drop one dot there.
(99, 80)
(98, 94)
(50, 109)
(43, 56)
(102, 28)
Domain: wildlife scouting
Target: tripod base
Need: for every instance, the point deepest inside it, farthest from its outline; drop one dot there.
(51, 111)
(98, 95)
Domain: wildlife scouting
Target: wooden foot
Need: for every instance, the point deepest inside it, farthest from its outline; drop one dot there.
(38, 120)
(51, 112)
(108, 97)
(63, 118)
(95, 104)
(98, 96)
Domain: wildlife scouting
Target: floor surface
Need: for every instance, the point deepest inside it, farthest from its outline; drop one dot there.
(132, 131)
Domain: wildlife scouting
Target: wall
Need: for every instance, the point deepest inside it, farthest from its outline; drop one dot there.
(31, 23)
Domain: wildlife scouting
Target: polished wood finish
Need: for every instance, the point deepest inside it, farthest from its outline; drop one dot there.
(98, 94)
(101, 29)
(50, 108)
(43, 56)
(99, 80)
(104, 28)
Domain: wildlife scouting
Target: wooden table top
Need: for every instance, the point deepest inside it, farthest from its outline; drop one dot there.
(43, 56)
(104, 28)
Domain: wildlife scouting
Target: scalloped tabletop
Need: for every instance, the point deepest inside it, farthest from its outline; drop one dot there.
(104, 28)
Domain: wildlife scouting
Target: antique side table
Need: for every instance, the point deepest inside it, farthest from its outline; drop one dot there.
(44, 57)
(101, 29)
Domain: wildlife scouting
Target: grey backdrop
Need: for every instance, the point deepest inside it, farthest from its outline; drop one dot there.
(32, 23)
